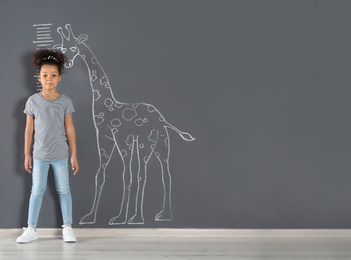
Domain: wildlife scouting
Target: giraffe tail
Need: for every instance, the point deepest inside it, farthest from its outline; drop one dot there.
(184, 135)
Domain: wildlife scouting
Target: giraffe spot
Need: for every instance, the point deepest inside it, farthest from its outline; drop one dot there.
(135, 105)
(107, 156)
(96, 95)
(129, 140)
(114, 131)
(116, 122)
(162, 119)
(103, 80)
(98, 120)
(153, 136)
(104, 166)
(167, 141)
(107, 85)
(139, 122)
(118, 105)
(123, 153)
(93, 77)
(151, 108)
(94, 60)
(146, 158)
(128, 114)
(102, 151)
(153, 146)
(111, 108)
(141, 146)
(145, 120)
(101, 114)
(108, 102)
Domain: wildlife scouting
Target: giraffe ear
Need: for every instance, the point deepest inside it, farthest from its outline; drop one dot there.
(57, 47)
(82, 38)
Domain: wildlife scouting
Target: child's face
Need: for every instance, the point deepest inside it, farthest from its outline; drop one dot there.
(49, 77)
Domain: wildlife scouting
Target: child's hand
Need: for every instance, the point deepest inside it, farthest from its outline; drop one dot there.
(75, 165)
(28, 163)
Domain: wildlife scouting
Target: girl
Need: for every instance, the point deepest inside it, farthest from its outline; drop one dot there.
(50, 122)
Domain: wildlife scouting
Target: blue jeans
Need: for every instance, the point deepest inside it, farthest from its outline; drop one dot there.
(39, 181)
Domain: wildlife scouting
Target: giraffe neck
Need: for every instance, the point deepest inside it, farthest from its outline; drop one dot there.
(99, 82)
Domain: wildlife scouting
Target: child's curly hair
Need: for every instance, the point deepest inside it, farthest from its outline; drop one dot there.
(51, 57)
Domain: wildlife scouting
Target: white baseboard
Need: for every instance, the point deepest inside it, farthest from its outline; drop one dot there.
(108, 232)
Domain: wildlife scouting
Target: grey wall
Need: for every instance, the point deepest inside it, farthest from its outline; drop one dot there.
(263, 86)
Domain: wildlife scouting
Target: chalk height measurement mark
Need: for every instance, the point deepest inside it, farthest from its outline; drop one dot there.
(43, 40)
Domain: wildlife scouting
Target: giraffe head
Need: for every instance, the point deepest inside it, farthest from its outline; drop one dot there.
(70, 44)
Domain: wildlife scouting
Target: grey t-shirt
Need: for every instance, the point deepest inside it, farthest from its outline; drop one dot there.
(50, 140)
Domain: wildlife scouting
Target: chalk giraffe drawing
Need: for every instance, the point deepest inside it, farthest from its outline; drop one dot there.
(128, 128)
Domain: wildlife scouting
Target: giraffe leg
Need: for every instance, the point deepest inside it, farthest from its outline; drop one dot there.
(166, 213)
(143, 157)
(162, 153)
(122, 216)
(105, 152)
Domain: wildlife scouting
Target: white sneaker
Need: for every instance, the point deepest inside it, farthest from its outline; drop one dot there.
(29, 234)
(68, 235)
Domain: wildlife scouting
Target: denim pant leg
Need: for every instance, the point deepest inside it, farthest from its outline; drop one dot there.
(39, 181)
(61, 174)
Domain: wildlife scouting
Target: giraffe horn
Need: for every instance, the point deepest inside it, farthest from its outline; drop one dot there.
(69, 29)
(59, 30)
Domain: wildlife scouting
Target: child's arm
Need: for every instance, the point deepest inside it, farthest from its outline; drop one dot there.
(28, 139)
(71, 136)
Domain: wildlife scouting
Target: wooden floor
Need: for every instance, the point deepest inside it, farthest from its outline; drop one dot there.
(178, 247)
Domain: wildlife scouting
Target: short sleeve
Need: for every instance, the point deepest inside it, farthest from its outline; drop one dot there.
(29, 108)
(69, 108)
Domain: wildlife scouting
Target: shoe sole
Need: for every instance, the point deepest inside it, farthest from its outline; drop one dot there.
(26, 242)
(69, 241)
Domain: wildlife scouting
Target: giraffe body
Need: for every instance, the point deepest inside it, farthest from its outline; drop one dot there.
(130, 129)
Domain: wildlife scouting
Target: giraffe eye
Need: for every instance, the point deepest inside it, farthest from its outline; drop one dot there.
(73, 49)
